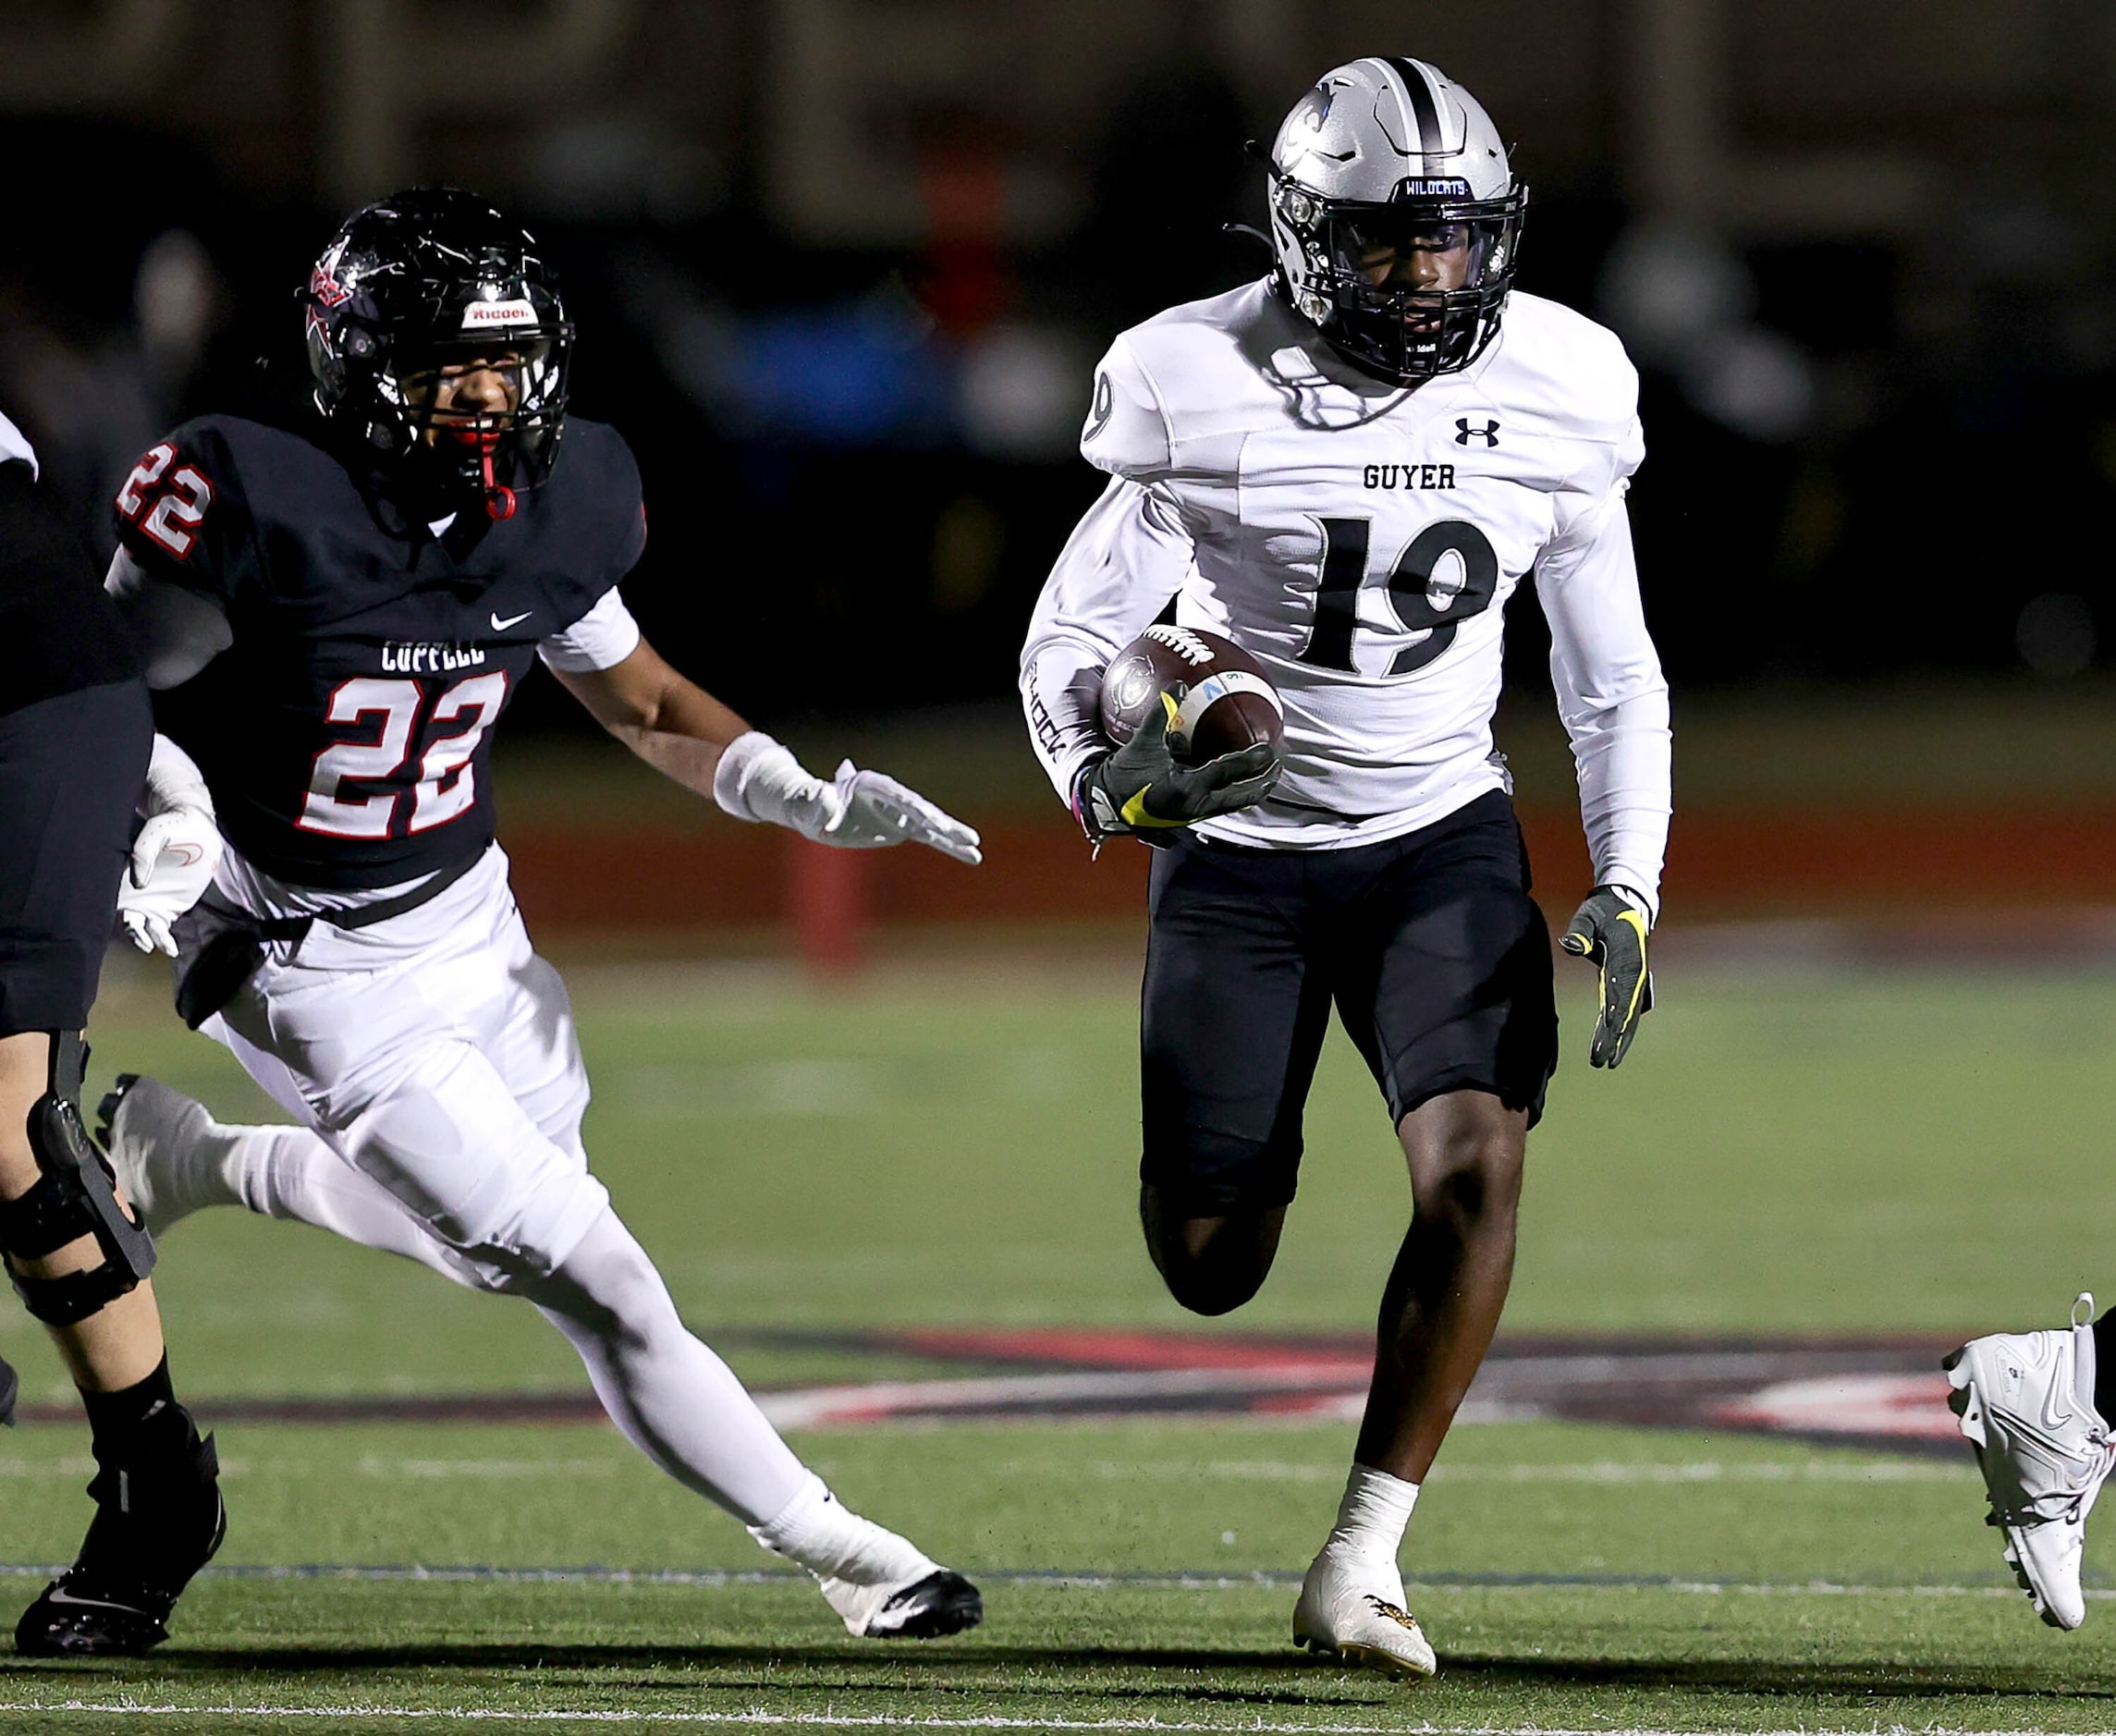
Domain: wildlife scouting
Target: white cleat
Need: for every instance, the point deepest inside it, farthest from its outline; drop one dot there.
(882, 1586)
(936, 1604)
(166, 1149)
(1353, 1607)
(2026, 1400)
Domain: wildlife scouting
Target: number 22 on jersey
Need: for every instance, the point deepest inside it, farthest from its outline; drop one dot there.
(447, 787)
(179, 503)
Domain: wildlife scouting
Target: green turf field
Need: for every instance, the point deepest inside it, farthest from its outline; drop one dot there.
(1782, 1154)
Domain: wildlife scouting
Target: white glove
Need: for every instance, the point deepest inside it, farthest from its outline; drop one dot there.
(758, 778)
(175, 853)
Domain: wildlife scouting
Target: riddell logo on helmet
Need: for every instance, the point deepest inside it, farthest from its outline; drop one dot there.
(479, 314)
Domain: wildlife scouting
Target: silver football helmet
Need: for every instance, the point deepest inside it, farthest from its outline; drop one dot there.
(1395, 217)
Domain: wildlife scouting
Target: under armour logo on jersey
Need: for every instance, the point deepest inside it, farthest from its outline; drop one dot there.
(1464, 434)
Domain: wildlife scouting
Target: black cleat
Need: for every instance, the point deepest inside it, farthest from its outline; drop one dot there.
(9, 1387)
(156, 1524)
(940, 1604)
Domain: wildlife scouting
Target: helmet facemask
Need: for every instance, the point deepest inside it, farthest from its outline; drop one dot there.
(501, 438)
(1444, 264)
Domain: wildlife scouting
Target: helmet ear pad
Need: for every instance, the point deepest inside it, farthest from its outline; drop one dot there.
(413, 281)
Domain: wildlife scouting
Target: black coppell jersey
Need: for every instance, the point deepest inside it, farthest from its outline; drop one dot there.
(347, 733)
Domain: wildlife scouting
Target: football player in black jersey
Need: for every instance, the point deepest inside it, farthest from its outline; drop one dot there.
(75, 735)
(343, 611)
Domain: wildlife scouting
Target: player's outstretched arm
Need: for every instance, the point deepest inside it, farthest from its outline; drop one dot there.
(681, 730)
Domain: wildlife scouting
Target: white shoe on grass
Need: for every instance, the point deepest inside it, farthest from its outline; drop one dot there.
(934, 1604)
(1353, 1606)
(2026, 1400)
(169, 1155)
(882, 1586)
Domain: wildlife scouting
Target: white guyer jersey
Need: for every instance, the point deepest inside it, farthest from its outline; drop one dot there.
(1362, 541)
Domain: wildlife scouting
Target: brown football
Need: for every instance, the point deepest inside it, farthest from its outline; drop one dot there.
(1228, 705)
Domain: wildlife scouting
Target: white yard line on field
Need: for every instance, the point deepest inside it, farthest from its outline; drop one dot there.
(883, 1721)
(1818, 1469)
(1201, 1579)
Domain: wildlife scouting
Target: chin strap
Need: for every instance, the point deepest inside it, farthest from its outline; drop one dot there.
(499, 498)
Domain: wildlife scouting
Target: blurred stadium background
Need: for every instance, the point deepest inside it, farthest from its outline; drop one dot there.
(841, 270)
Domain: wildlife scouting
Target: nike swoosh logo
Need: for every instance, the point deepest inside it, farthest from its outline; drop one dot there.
(67, 1598)
(500, 626)
(2052, 1417)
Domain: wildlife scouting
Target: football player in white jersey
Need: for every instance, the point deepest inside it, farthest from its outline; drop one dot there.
(1348, 468)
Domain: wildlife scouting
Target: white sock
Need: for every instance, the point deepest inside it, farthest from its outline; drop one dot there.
(290, 1173)
(672, 1397)
(203, 1170)
(1371, 1517)
(832, 1542)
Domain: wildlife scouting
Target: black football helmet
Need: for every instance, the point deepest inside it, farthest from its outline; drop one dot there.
(428, 278)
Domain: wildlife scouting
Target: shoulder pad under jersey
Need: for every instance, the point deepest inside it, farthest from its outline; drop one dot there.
(594, 511)
(1127, 433)
(1572, 375)
(183, 512)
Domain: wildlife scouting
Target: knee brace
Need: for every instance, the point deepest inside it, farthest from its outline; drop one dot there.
(74, 1196)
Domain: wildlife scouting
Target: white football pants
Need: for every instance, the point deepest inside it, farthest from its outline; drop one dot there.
(433, 1062)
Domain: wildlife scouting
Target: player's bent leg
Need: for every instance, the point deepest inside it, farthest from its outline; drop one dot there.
(175, 1159)
(1211, 1262)
(79, 1264)
(1231, 1020)
(2026, 1404)
(676, 1401)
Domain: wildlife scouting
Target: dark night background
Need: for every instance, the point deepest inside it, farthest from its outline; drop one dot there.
(841, 271)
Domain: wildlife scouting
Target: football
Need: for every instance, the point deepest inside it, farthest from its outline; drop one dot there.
(1228, 705)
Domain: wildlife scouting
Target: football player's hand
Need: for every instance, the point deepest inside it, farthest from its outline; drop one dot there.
(174, 855)
(173, 862)
(1610, 930)
(871, 810)
(1139, 787)
(759, 778)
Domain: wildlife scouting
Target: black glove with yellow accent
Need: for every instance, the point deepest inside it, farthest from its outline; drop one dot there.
(1140, 787)
(1610, 930)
